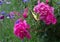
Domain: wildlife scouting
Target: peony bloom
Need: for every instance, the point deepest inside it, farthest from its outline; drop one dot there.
(46, 13)
(25, 15)
(21, 29)
(50, 19)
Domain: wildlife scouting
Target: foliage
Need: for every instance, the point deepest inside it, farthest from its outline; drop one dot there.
(40, 32)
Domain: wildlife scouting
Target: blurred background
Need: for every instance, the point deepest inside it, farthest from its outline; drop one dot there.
(39, 31)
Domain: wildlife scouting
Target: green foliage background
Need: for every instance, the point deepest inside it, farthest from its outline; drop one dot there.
(40, 32)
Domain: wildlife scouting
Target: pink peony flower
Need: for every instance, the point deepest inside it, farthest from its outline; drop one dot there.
(25, 15)
(46, 13)
(21, 29)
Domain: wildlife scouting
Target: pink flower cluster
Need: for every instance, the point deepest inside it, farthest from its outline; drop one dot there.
(46, 13)
(21, 29)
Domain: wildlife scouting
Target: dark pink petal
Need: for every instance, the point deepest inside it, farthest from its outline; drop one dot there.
(54, 21)
(25, 14)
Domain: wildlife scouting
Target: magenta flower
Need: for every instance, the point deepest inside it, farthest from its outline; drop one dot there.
(50, 19)
(25, 15)
(21, 29)
(46, 13)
